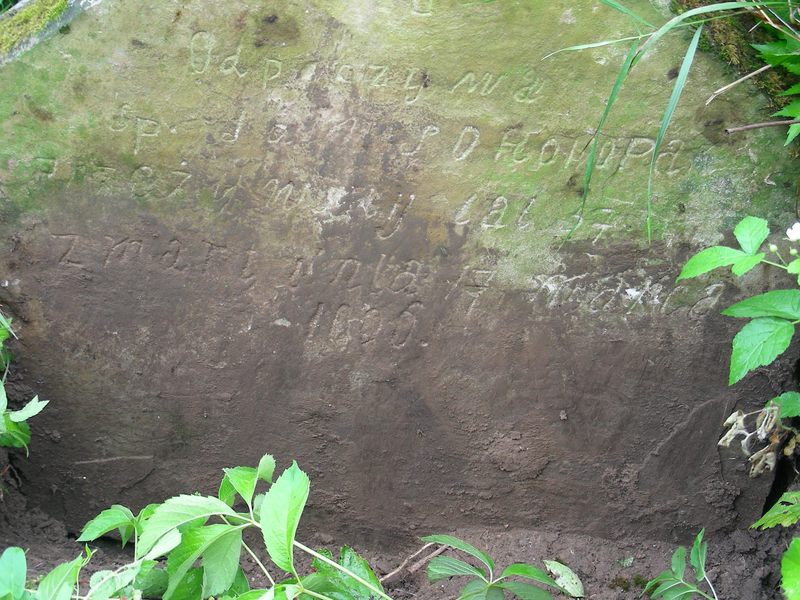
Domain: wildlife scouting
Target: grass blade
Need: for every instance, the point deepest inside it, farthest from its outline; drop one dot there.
(680, 82)
(590, 162)
(680, 19)
(596, 44)
(626, 11)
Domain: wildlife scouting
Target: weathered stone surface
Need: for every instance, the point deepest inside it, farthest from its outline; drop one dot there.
(333, 231)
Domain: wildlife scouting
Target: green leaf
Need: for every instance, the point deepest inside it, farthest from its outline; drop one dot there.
(177, 512)
(166, 543)
(783, 304)
(151, 580)
(525, 591)
(31, 409)
(16, 435)
(3, 400)
(240, 584)
(794, 131)
(789, 403)
(266, 468)
(243, 480)
(710, 259)
(531, 572)
(677, 90)
(254, 595)
(191, 586)
(674, 589)
(454, 542)
(785, 512)
(104, 584)
(751, 233)
(337, 584)
(219, 545)
(59, 583)
(116, 517)
(13, 569)
(474, 590)
(792, 110)
(283, 592)
(745, 264)
(442, 567)
(790, 571)
(6, 324)
(280, 514)
(626, 11)
(566, 579)
(698, 556)
(757, 344)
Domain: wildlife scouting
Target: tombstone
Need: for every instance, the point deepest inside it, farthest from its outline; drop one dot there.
(337, 232)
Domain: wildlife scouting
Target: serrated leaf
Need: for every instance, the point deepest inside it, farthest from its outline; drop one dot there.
(525, 591)
(529, 571)
(789, 403)
(785, 512)
(110, 519)
(757, 344)
(442, 567)
(454, 542)
(791, 110)
(243, 480)
(339, 585)
(218, 572)
(266, 468)
(751, 233)
(698, 556)
(745, 264)
(790, 571)
(165, 544)
(783, 304)
(31, 409)
(566, 579)
(177, 512)
(280, 514)
(104, 584)
(151, 580)
(710, 259)
(59, 583)
(794, 131)
(13, 569)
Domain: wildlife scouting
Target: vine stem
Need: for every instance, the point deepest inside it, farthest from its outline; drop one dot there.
(713, 591)
(339, 567)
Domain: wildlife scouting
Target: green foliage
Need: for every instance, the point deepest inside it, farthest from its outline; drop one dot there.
(790, 571)
(675, 583)
(785, 512)
(485, 586)
(201, 539)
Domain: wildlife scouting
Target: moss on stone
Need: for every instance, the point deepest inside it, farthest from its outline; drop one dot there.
(28, 21)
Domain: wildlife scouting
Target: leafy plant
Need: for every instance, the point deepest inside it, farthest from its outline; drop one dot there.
(674, 583)
(200, 538)
(484, 585)
(14, 430)
(786, 512)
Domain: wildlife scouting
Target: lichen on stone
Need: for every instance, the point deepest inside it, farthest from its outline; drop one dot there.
(19, 26)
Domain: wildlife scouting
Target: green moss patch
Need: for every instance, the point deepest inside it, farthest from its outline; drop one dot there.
(30, 20)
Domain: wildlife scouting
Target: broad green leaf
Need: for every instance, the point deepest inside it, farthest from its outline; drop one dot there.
(240, 584)
(151, 580)
(794, 131)
(13, 569)
(745, 264)
(698, 556)
(227, 493)
(338, 585)
(266, 468)
(15, 435)
(104, 584)
(757, 344)
(116, 517)
(794, 267)
(474, 590)
(710, 259)
(529, 571)
(657, 580)
(243, 480)
(221, 563)
(783, 304)
(751, 233)
(142, 517)
(454, 542)
(789, 403)
(59, 583)
(785, 512)
(566, 579)
(191, 586)
(31, 409)
(283, 592)
(494, 593)
(674, 589)
(165, 544)
(442, 567)
(177, 512)
(258, 501)
(218, 572)
(254, 595)
(677, 90)
(6, 324)
(280, 514)
(679, 562)
(790, 571)
(525, 591)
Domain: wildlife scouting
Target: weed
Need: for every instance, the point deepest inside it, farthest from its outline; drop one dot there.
(484, 585)
(674, 582)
